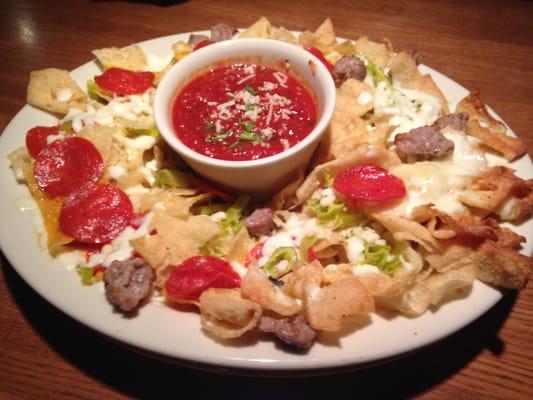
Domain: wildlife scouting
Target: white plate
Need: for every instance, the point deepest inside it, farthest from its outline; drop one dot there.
(160, 329)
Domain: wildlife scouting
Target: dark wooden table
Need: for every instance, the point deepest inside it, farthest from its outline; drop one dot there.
(482, 45)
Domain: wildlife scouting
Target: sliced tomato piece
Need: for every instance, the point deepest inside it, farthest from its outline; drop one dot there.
(124, 82)
(66, 165)
(318, 54)
(96, 214)
(36, 138)
(254, 254)
(369, 183)
(194, 275)
(203, 43)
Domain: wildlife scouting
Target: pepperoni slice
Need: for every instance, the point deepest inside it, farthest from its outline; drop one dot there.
(96, 214)
(367, 183)
(194, 275)
(36, 138)
(318, 54)
(66, 165)
(124, 82)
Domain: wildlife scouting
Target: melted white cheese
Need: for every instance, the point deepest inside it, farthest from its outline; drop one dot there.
(440, 181)
(131, 108)
(120, 248)
(405, 108)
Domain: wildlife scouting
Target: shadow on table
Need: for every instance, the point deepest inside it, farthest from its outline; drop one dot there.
(141, 377)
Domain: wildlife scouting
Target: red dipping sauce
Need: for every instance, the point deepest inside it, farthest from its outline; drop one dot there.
(243, 112)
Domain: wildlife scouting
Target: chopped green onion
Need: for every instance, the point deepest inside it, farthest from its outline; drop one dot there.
(86, 275)
(171, 178)
(275, 268)
(334, 215)
(251, 137)
(381, 257)
(248, 125)
(249, 107)
(250, 90)
(208, 126)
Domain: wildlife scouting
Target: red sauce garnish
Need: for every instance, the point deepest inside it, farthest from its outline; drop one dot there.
(243, 112)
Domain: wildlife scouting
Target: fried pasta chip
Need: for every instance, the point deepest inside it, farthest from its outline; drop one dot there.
(403, 69)
(54, 90)
(131, 58)
(489, 130)
(262, 28)
(379, 53)
(226, 314)
(426, 84)
(323, 38)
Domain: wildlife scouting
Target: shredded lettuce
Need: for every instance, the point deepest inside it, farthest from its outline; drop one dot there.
(380, 256)
(229, 227)
(171, 178)
(334, 215)
(280, 262)
(86, 275)
(371, 67)
(209, 209)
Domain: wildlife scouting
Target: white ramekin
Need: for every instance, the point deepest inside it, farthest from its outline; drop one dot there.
(260, 178)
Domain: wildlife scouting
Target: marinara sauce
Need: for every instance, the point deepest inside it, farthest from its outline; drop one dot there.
(243, 112)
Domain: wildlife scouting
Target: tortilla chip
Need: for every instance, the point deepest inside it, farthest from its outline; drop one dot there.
(262, 28)
(46, 85)
(326, 308)
(226, 314)
(181, 49)
(301, 277)
(131, 58)
(283, 35)
(379, 53)
(323, 38)
(49, 207)
(257, 287)
(102, 138)
(175, 239)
